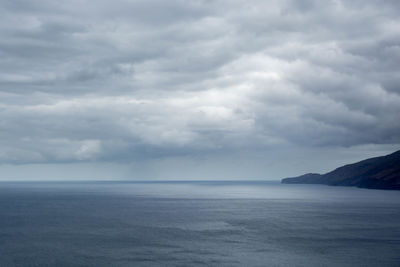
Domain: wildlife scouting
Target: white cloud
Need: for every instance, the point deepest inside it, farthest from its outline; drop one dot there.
(140, 79)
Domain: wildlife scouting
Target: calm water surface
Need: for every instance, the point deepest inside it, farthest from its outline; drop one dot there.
(197, 224)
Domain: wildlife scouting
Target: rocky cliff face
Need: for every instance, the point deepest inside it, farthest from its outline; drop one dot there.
(378, 173)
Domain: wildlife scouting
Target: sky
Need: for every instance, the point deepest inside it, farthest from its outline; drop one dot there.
(198, 89)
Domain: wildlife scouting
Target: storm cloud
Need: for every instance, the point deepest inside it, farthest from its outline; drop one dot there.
(150, 81)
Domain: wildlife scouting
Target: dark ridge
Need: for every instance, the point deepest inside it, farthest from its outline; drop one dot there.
(375, 173)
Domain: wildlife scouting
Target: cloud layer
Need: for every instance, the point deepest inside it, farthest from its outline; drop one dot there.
(121, 81)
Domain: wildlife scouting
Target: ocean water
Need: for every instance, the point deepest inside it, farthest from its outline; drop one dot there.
(197, 224)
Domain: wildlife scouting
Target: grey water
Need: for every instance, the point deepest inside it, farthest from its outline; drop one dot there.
(196, 224)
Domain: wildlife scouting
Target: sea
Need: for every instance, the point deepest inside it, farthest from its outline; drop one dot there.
(196, 223)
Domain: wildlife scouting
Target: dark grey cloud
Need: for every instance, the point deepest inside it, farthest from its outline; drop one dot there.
(128, 81)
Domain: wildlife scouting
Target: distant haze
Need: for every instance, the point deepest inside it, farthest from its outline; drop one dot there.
(196, 89)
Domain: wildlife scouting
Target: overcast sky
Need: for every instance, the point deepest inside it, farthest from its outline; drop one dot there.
(158, 89)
